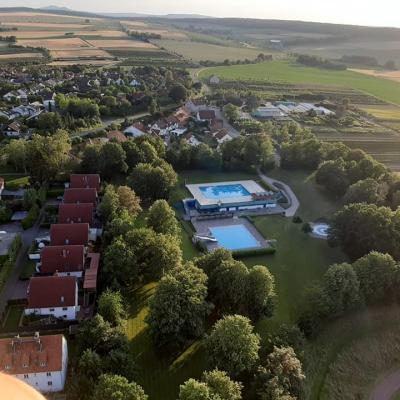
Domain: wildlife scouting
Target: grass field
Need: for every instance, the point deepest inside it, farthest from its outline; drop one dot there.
(197, 51)
(299, 261)
(13, 318)
(288, 71)
(347, 351)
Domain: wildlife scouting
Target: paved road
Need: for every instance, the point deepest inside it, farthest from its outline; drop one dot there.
(386, 387)
(294, 202)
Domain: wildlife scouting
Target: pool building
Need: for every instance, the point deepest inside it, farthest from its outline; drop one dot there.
(231, 196)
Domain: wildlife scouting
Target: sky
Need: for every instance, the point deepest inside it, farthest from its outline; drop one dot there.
(357, 12)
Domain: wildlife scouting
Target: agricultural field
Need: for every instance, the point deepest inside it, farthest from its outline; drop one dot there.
(164, 32)
(197, 51)
(54, 44)
(286, 71)
(391, 75)
(21, 56)
(121, 44)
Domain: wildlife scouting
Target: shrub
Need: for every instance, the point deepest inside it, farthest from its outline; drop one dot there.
(10, 261)
(297, 220)
(31, 218)
(253, 252)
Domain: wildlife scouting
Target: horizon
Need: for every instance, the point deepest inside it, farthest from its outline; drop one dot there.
(356, 12)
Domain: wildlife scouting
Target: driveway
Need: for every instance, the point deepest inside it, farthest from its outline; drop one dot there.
(387, 387)
(293, 200)
(13, 286)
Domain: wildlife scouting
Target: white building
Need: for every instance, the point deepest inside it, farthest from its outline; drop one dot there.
(53, 295)
(214, 80)
(40, 361)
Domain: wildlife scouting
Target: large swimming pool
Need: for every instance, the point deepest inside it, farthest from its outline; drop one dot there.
(234, 237)
(224, 191)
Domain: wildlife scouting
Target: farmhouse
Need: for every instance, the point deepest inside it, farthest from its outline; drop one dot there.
(53, 295)
(69, 234)
(63, 260)
(222, 136)
(39, 361)
(76, 213)
(82, 181)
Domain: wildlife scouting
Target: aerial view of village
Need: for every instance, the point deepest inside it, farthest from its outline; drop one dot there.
(199, 201)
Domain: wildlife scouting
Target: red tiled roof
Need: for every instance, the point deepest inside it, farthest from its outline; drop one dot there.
(79, 181)
(31, 354)
(207, 114)
(80, 195)
(117, 135)
(75, 213)
(62, 259)
(90, 281)
(69, 234)
(52, 291)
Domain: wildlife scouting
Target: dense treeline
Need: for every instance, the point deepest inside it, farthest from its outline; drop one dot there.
(315, 61)
(371, 280)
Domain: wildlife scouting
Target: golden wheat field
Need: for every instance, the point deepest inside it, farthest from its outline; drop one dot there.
(54, 44)
(392, 75)
(118, 44)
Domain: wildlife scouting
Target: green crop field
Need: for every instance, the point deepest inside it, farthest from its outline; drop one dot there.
(197, 51)
(289, 72)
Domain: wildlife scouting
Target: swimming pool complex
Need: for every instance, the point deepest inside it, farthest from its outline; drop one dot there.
(224, 191)
(234, 237)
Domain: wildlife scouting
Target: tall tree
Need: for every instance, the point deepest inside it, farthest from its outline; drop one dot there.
(178, 308)
(161, 218)
(115, 387)
(232, 345)
(111, 307)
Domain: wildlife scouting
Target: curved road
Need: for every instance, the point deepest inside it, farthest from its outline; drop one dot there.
(387, 387)
(294, 202)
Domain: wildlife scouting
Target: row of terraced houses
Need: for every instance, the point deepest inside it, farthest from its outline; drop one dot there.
(64, 288)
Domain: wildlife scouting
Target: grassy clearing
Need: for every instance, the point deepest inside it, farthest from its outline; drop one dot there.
(347, 352)
(289, 72)
(13, 318)
(16, 181)
(197, 51)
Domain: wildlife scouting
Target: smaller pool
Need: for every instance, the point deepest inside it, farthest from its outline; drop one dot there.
(224, 191)
(234, 237)
(321, 230)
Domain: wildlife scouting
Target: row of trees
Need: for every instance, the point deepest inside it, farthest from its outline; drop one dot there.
(370, 280)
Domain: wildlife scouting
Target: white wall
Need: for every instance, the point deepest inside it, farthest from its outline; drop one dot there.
(68, 314)
(40, 381)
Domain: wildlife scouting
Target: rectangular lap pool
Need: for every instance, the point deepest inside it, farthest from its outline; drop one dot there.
(224, 191)
(234, 237)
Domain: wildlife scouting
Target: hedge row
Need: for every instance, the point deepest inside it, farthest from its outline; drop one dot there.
(253, 252)
(31, 218)
(10, 261)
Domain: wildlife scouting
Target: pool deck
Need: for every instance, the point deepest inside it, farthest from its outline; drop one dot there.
(202, 229)
(249, 185)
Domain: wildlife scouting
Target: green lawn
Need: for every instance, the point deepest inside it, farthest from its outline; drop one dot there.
(13, 318)
(289, 72)
(28, 270)
(299, 261)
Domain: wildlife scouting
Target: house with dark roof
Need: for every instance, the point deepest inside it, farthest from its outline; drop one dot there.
(63, 260)
(206, 115)
(39, 361)
(53, 295)
(71, 213)
(69, 234)
(80, 196)
(84, 181)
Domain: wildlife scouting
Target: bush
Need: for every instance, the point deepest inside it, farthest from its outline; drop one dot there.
(31, 218)
(306, 228)
(297, 220)
(253, 252)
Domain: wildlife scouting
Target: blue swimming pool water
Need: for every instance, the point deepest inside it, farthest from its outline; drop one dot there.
(234, 237)
(224, 191)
